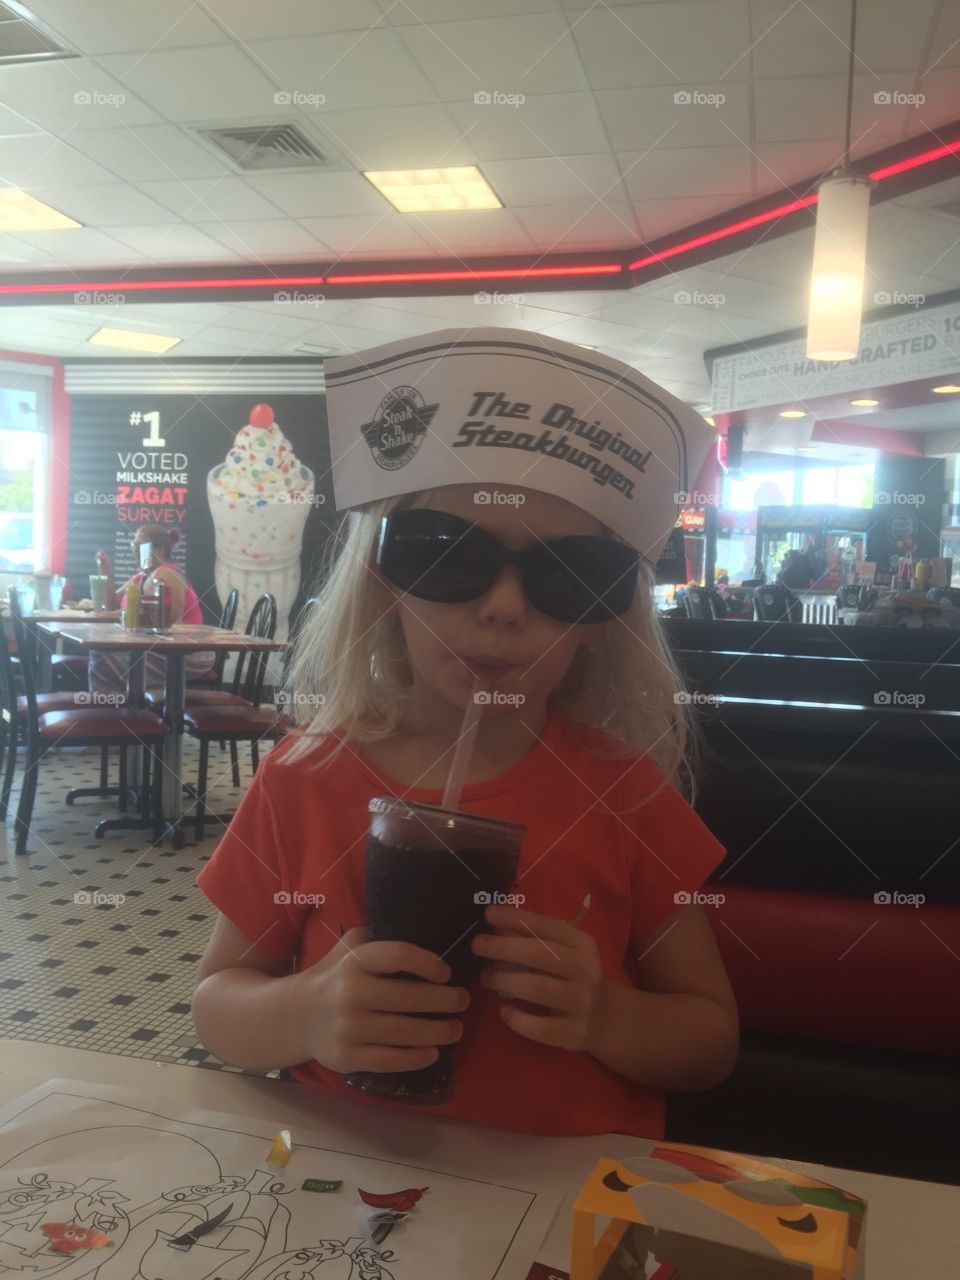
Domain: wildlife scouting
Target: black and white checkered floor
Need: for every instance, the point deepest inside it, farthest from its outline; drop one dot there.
(114, 976)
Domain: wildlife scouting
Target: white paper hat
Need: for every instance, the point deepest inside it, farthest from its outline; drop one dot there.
(508, 406)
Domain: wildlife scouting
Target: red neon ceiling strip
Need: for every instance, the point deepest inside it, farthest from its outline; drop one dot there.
(757, 220)
(878, 175)
(517, 273)
(914, 162)
(121, 286)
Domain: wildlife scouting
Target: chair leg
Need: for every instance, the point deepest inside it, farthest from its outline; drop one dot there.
(156, 792)
(145, 795)
(201, 788)
(8, 738)
(255, 755)
(122, 802)
(104, 768)
(28, 793)
(235, 764)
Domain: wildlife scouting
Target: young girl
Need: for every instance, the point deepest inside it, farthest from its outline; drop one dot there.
(583, 1018)
(107, 672)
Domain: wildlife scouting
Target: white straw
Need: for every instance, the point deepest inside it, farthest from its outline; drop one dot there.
(463, 750)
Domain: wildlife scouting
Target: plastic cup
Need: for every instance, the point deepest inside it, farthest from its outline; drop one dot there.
(98, 591)
(430, 874)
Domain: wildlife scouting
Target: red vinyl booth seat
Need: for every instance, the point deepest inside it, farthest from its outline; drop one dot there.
(230, 719)
(823, 967)
(119, 722)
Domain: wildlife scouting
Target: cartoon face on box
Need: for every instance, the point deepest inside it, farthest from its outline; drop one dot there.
(715, 1215)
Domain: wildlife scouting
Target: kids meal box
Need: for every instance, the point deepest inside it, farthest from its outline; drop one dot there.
(700, 1214)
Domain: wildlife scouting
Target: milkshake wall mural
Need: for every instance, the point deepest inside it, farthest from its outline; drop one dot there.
(260, 498)
(244, 477)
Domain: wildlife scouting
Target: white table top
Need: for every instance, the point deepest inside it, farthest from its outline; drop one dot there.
(913, 1228)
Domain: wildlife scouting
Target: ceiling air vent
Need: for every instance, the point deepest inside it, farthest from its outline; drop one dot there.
(268, 146)
(24, 39)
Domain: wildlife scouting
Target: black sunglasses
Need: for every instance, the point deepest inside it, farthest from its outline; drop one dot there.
(441, 557)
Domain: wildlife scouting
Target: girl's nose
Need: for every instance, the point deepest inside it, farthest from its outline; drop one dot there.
(505, 601)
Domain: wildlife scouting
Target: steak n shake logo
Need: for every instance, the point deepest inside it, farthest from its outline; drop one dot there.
(398, 428)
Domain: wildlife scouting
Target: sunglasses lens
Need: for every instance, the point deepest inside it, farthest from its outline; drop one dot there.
(435, 556)
(441, 557)
(582, 579)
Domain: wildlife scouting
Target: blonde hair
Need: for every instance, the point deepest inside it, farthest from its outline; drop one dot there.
(350, 673)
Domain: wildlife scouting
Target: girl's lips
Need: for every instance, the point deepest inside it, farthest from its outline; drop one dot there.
(492, 668)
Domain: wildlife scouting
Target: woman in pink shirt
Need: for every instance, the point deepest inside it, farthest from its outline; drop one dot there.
(107, 672)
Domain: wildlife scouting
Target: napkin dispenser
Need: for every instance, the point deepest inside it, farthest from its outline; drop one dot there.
(702, 1214)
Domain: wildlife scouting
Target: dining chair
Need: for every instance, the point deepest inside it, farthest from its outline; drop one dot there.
(242, 721)
(81, 726)
(246, 687)
(213, 679)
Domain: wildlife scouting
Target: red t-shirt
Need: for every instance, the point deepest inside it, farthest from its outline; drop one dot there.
(302, 829)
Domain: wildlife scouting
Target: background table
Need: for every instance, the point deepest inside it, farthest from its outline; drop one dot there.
(913, 1228)
(173, 645)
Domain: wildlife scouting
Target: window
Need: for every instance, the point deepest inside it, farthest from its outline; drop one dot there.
(24, 468)
(845, 486)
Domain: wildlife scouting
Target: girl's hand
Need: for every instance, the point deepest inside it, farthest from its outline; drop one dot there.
(358, 1017)
(545, 962)
(104, 565)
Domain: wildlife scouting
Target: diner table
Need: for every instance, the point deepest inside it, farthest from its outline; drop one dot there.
(913, 1228)
(173, 644)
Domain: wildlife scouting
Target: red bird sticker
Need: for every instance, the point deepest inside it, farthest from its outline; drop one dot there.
(70, 1237)
(401, 1201)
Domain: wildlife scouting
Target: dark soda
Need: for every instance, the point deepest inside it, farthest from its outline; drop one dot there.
(430, 874)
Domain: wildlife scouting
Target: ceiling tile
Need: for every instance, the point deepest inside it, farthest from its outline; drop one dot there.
(104, 204)
(584, 226)
(545, 124)
(368, 237)
(254, 20)
(785, 164)
(82, 246)
(945, 42)
(529, 54)
(150, 153)
(210, 199)
(73, 94)
(14, 252)
(400, 138)
(305, 195)
(369, 315)
(172, 242)
(429, 12)
(285, 322)
(915, 241)
(623, 48)
(353, 69)
(805, 107)
(200, 85)
(480, 231)
(586, 330)
(559, 180)
(14, 125)
(274, 240)
(44, 161)
(939, 89)
(659, 218)
(111, 26)
(640, 118)
(688, 171)
(730, 291)
(811, 39)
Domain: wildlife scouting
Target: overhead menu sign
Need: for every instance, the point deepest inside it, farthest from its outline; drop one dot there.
(921, 344)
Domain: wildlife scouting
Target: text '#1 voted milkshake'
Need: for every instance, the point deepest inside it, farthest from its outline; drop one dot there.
(260, 497)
